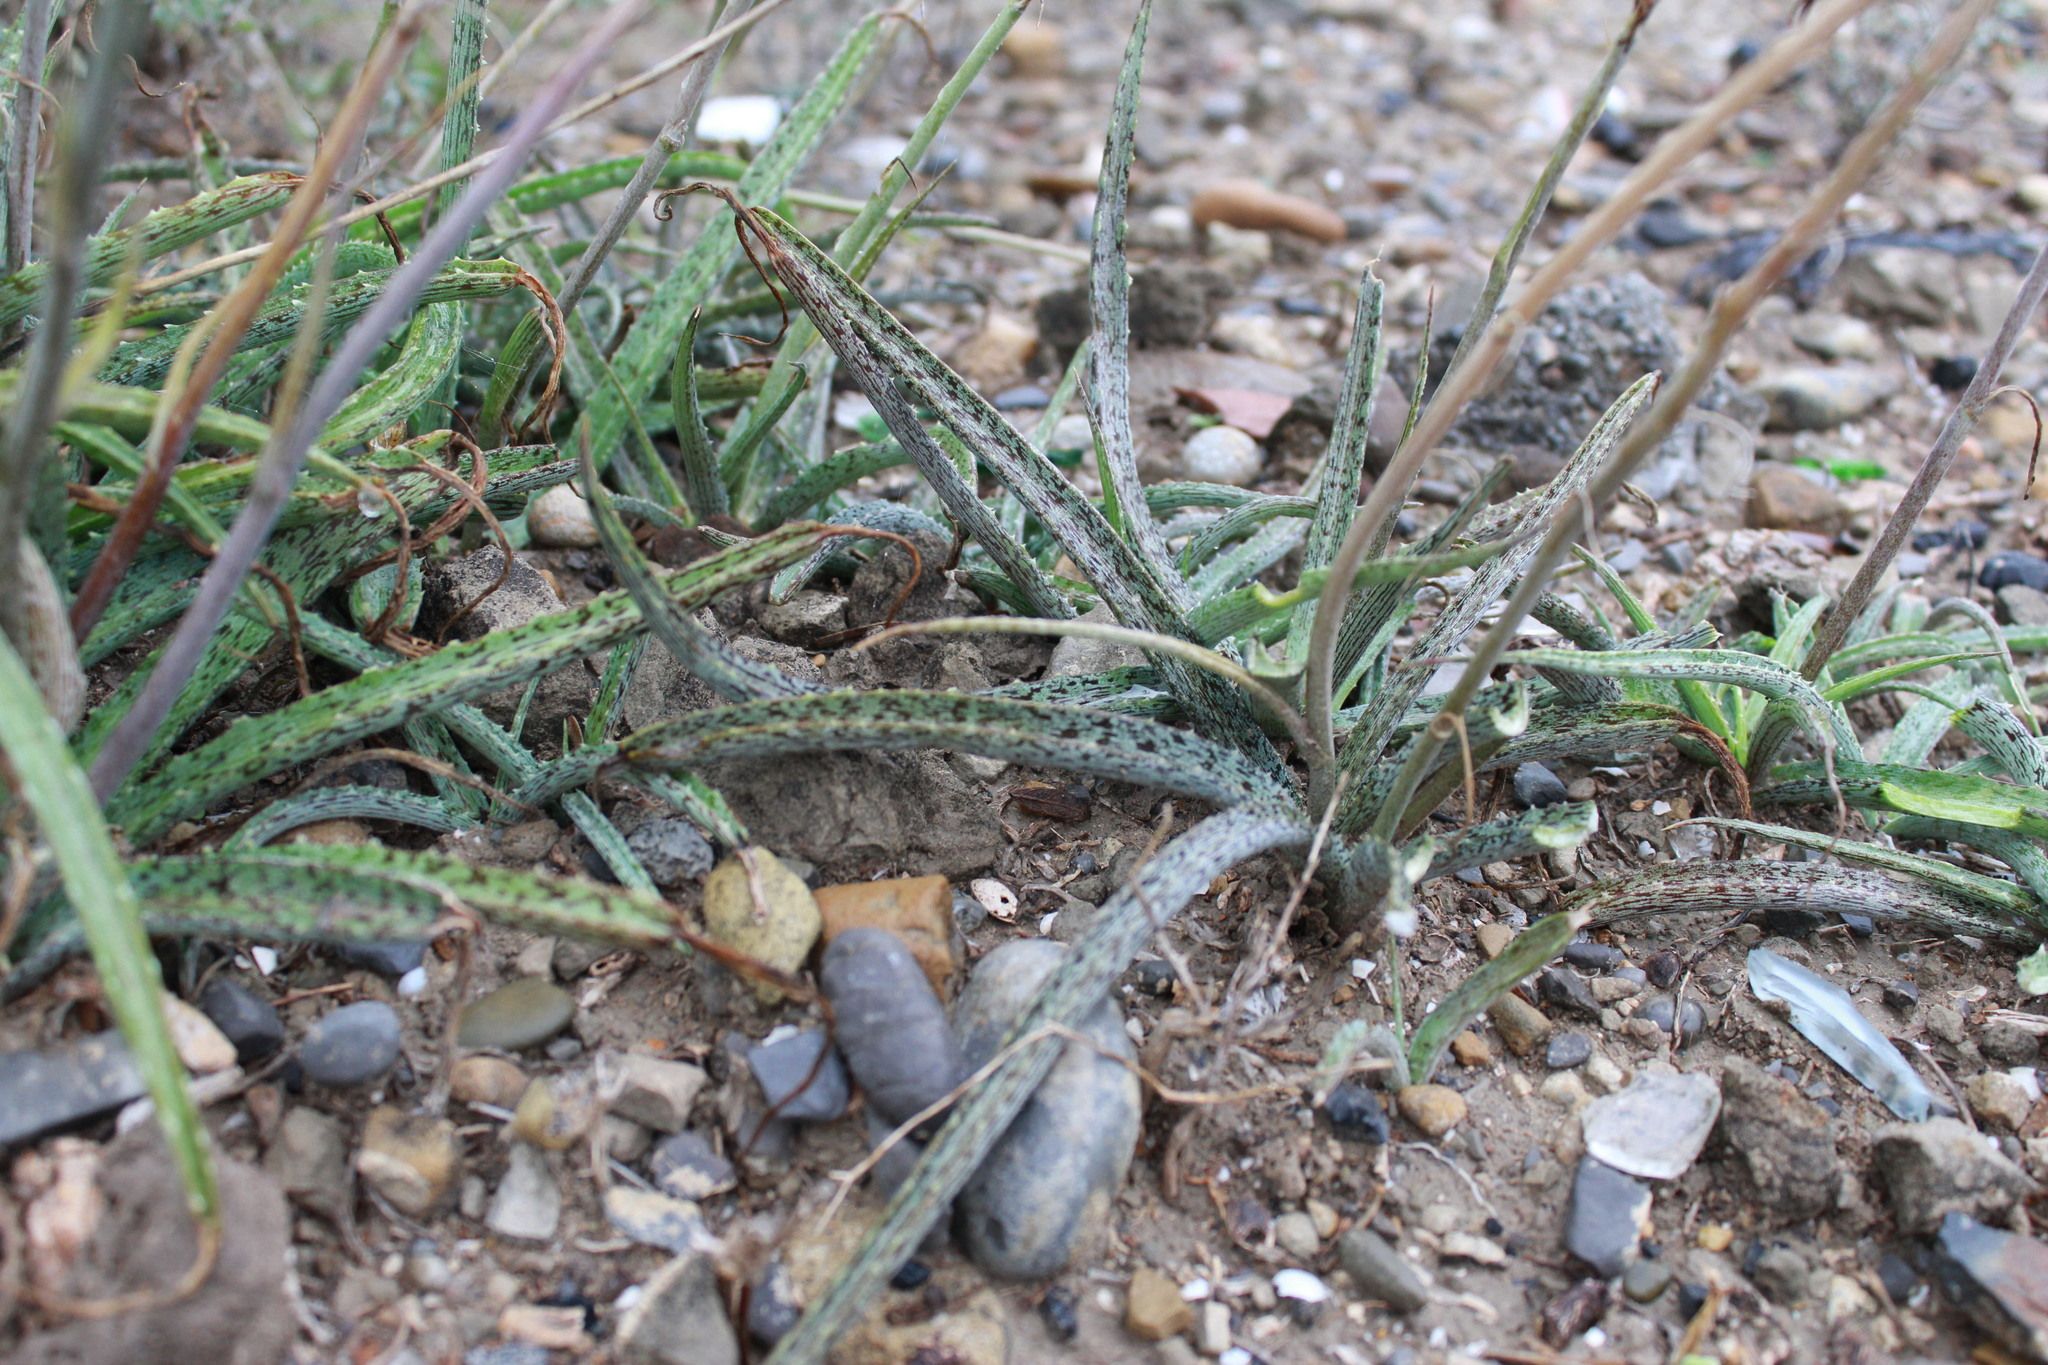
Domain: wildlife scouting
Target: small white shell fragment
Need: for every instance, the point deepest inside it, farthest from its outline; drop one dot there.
(264, 958)
(1300, 1285)
(1194, 1291)
(996, 898)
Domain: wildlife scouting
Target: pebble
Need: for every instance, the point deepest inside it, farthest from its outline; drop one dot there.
(749, 120)
(1646, 1281)
(1154, 1309)
(527, 1205)
(1037, 49)
(388, 960)
(2014, 566)
(1693, 1018)
(672, 850)
(1537, 786)
(559, 518)
(1836, 336)
(888, 1021)
(779, 932)
(998, 353)
(1049, 1183)
(1999, 1100)
(1433, 1109)
(1493, 939)
(1574, 1312)
(1520, 1024)
(655, 1220)
(1565, 1090)
(557, 1112)
(1952, 374)
(1221, 454)
(1023, 398)
(1471, 1050)
(1296, 1235)
(653, 1091)
(1940, 1166)
(1567, 1050)
(800, 1075)
(246, 1019)
(486, 1080)
(1212, 1329)
(1248, 204)
(687, 1166)
(1567, 990)
(1781, 1273)
(1601, 1074)
(1060, 1312)
(518, 1014)
(1716, 1237)
(1819, 397)
(308, 1157)
(1788, 498)
(1656, 1128)
(353, 1045)
(969, 914)
(918, 911)
(2020, 605)
(413, 1160)
(1356, 1113)
(200, 1045)
(1607, 1213)
(679, 1318)
(1381, 1273)
(1593, 957)
(623, 1140)
(1998, 1277)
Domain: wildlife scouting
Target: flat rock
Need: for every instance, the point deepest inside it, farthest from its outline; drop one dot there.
(351, 1046)
(1820, 397)
(1782, 1139)
(889, 1024)
(1656, 1127)
(44, 1089)
(917, 910)
(800, 1075)
(779, 930)
(1999, 1278)
(656, 1220)
(653, 1091)
(679, 1318)
(519, 1014)
(687, 1166)
(527, 1205)
(1940, 1166)
(1787, 498)
(1381, 1272)
(1047, 1186)
(308, 1157)
(1607, 1216)
(1153, 1307)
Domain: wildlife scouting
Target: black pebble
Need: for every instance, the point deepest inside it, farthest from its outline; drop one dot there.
(1536, 785)
(1017, 399)
(1794, 923)
(1691, 1298)
(1568, 990)
(1593, 957)
(1901, 996)
(1154, 976)
(1954, 372)
(1743, 53)
(2008, 567)
(1663, 968)
(912, 1275)
(1355, 1112)
(1567, 1050)
(1862, 926)
(385, 959)
(1616, 134)
(1059, 1308)
(1967, 534)
(245, 1018)
(1897, 1276)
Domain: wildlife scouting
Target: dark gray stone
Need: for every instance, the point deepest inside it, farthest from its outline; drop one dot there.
(686, 1166)
(1567, 990)
(889, 1025)
(1692, 1019)
(1781, 1273)
(1997, 1278)
(46, 1089)
(1536, 785)
(772, 1307)
(1567, 1050)
(353, 1045)
(244, 1018)
(388, 960)
(1356, 1112)
(1050, 1181)
(1782, 1139)
(1593, 957)
(1380, 1271)
(680, 1318)
(1606, 1217)
(671, 850)
(784, 1069)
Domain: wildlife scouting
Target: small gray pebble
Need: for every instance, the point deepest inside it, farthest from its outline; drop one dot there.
(353, 1045)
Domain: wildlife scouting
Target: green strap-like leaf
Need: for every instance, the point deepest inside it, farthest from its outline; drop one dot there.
(1529, 950)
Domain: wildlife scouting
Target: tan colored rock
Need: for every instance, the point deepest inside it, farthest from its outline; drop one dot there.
(1248, 204)
(778, 928)
(1471, 1050)
(1036, 49)
(1493, 939)
(918, 910)
(557, 1112)
(1782, 498)
(486, 1080)
(1433, 1109)
(201, 1046)
(411, 1159)
(1155, 1310)
(998, 353)
(1520, 1024)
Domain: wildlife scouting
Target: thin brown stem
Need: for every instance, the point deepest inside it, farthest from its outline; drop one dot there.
(1962, 420)
(1672, 154)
